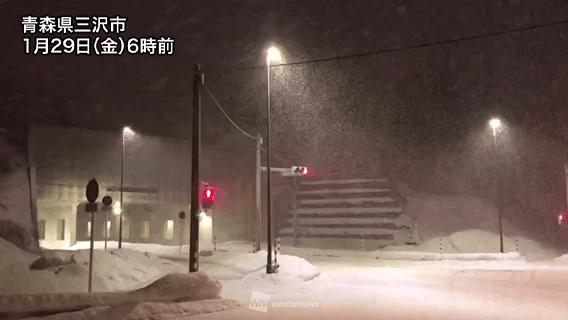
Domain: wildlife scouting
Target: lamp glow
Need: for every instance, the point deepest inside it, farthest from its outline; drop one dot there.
(273, 55)
(495, 123)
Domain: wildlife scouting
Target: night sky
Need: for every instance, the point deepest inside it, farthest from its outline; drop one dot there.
(433, 96)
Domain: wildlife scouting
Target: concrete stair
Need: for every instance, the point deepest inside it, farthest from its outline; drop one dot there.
(350, 214)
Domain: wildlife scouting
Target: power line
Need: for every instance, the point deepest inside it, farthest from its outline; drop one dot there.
(227, 116)
(234, 124)
(394, 50)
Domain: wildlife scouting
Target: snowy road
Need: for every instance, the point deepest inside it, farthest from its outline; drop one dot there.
(404, 290)
(357, 285)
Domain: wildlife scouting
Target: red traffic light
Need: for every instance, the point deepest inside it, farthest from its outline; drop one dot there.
(209, 194)
(562, 218)
(300, 171)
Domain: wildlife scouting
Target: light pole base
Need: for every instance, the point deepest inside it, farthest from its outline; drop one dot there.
(272, 268)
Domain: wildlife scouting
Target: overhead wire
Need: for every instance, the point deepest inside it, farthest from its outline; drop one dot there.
(233, 122)
(401, 49)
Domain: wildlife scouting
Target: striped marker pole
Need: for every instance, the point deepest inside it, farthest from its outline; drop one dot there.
(362, 243)
(278, 245)
(253, 245)
(275, 251)
(440, 245)
(214, 244)
(517, 244)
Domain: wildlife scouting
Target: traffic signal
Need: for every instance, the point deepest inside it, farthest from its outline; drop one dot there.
(562, 218)
(208, 198)
(301, 171)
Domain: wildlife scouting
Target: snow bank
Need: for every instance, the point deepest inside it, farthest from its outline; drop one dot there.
(470, 245)
(148, 310)
(440, 216)
(113, 270)
(254, 264)
(562, 260)
(172, 287)
(292, 267)
(152, 248)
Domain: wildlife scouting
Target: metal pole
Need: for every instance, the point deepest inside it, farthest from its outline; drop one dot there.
(181, 234)
(91, 251)
(106, 227)
(121, 187)
(194, 219)
(498, 190)
(566, 179)
(294, 208)
(269, 265)
(256, 247)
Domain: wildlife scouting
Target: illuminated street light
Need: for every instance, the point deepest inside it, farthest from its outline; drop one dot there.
(272, 55)
(495, 124)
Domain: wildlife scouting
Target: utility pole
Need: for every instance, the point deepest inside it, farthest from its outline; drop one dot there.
(198, 80)
(258, 192)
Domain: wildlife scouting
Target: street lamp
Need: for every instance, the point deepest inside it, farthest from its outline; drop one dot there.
(495, 124)
(125, 132)
(272, 55)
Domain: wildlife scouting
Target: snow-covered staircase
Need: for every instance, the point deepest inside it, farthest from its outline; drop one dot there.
(360, 214)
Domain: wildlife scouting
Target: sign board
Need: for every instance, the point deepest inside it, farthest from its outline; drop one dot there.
(107, 201)
(182, 215)
(91, 207)
(92, 191)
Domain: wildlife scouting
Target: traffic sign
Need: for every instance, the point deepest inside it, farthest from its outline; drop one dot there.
(91, 207)
(92, 191)
(107, 200)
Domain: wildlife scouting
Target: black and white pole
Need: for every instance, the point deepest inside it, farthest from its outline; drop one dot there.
(92, 235)
(278, 245)
(440, 246)
(253, 245)
(214, 244)
(362, 243)
(275, 251)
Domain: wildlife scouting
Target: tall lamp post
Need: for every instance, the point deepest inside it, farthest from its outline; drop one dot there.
(495, 124)
(272, 55)
(125, 131)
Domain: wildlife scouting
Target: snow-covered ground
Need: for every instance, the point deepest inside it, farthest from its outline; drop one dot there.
(468, 280)
(114, 270)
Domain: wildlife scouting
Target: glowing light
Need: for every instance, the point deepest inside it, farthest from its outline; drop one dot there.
(209, 194)
(116, 208)
(305, 171)
(273, 55)
(495, 123)
(127, 130)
